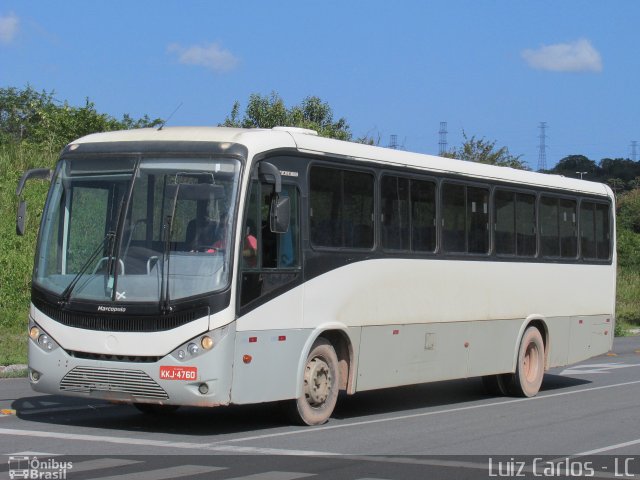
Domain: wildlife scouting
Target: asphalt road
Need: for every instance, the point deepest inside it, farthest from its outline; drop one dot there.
(444, 430)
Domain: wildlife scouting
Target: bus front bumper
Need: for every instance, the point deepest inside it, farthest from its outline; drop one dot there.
(204, 380)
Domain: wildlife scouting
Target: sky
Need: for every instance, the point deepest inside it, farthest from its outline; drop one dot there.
(493, 69)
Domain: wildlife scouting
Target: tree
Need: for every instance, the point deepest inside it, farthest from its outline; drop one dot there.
(634, 184)
(270, 111)
(28, 115)
(21, 111)
(571, 165)
(621, 168)
(628, 211)
(616, 185)
(484, 151)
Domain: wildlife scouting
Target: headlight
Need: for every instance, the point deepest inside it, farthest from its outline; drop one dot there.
(41, 338)
(201, 344)
(45, 342)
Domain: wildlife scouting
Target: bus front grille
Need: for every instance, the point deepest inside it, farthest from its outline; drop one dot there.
(94, 379)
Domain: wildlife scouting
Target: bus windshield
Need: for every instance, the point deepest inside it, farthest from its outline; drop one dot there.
(133, 229)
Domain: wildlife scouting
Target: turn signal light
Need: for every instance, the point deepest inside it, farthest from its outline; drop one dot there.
(247, 358)
(206, 342)
(34, 333)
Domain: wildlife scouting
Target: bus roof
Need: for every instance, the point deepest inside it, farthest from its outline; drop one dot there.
(263, 140)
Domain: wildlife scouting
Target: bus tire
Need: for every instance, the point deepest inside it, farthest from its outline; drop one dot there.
(155, 409)
(319, 386)
(530, 368)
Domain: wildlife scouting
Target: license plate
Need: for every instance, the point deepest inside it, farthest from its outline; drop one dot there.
(178, 373)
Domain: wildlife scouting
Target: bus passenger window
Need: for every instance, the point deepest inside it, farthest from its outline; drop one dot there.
(395, 209)
(423, 216)
(505, 211)
(515, 223)
(454, 218)
(465, 219)
(341, 208)
(558, 232)
(478, 219)
(525, 225)
(595, 236)
(549, 227)
(568, 229)
(603, 234)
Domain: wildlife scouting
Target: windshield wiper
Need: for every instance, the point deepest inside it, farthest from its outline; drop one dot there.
(165, 302)
(66, 294)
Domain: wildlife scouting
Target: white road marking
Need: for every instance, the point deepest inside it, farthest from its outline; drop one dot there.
(269, 451)
(101, 463)
(164, 473)
(98, 438)
(608, 448)
(160, 443)
(274, 476)
(426, 414)
(33, 454)
(596, 368)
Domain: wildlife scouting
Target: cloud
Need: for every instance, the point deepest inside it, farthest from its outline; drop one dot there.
(8, 27)
(578, 56)
(211, 56)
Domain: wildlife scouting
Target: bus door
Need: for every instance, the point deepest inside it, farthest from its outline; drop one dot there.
(270, 262)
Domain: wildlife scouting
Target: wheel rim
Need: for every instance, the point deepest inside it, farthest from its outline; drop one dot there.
(530, 362)
(317, 382)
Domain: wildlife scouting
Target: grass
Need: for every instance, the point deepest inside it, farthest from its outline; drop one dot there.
(628, 296)
(15, 373)
(13, 348)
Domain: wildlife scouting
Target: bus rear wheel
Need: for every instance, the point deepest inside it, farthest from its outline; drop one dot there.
(530, 369)
(319, 386)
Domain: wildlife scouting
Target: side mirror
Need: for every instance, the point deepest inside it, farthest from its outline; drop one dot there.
(269, 173)
(43, 173)
(280, 214)
(20, 218)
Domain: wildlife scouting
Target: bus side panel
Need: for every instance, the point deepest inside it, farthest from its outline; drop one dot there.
(590, 336)
(559, 340)
(272, 336)
(271, 372)
(492, 346)
(393, 355)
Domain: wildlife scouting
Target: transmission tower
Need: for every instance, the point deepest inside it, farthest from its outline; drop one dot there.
(542, 149)
(442, 144)
(634, 151)
(394, 142)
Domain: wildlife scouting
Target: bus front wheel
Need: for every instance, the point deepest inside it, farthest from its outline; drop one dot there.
(319, 386)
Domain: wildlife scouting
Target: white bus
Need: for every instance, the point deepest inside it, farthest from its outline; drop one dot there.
(215, 266)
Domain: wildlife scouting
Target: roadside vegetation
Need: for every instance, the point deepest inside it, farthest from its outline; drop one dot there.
(34, 127)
